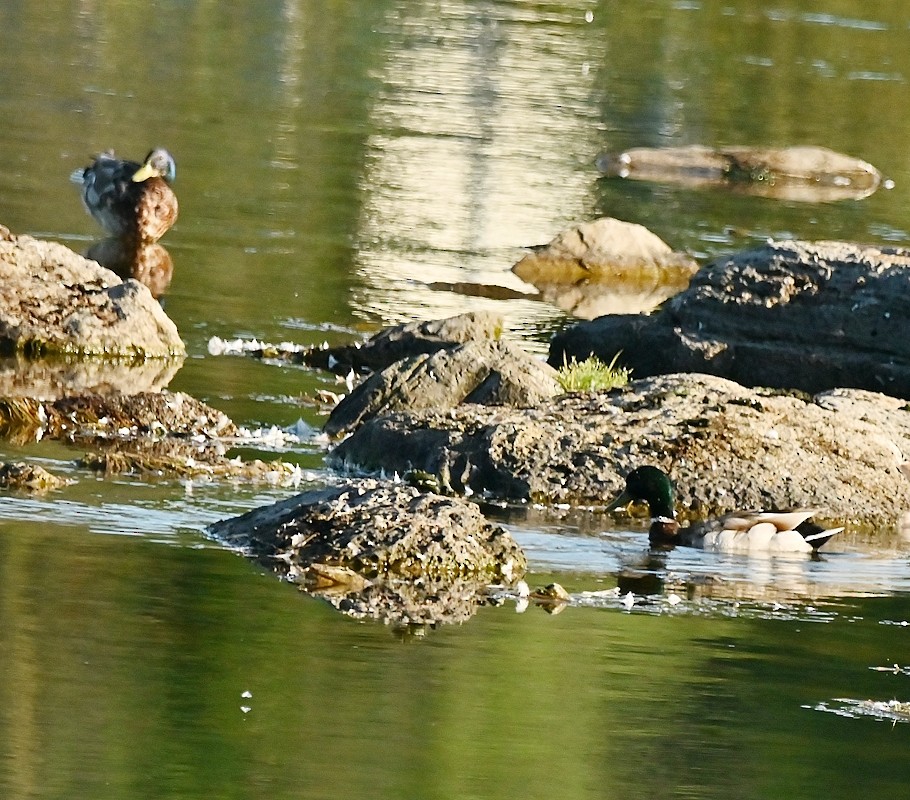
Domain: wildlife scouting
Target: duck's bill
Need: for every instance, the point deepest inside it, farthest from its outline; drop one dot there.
(144, 172)
(620, 502)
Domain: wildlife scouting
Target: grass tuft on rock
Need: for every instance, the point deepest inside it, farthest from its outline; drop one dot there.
(592, 375)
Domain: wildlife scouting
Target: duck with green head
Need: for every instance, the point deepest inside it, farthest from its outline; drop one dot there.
(742, 531)
(133, 202)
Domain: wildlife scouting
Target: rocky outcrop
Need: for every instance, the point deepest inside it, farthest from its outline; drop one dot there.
(381, 550)
(486, 371)
(53, 301)
(802, 173)
(726, 446)
(810, 316)
(606, 266)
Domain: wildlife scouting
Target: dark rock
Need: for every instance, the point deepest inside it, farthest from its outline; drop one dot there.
(485, 371)
(405, 341)
(726, 446)
(803, 173)
(55, 301)
(801, 315)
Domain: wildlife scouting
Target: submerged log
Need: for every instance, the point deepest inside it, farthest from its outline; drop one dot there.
(801, 173)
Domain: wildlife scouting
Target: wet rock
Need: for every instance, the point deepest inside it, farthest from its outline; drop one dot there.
(406, 341)
(485, 371)
(810, 316)
(606, 267)
(28, 477)
(55, 301)
(377, 530)
(803, 173)
(381, 551)
(726, 446)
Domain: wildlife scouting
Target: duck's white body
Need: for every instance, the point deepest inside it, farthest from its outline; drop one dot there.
(762, 532)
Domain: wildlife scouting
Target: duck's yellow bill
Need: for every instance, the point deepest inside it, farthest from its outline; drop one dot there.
(144, 172)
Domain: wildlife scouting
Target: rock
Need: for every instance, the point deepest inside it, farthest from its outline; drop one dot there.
(810, 316)
(28, 477)
(726, 446)
(485, 371)
(803, 173)
(55, 301)
(405, 341)
(606, 267)
(378, 530)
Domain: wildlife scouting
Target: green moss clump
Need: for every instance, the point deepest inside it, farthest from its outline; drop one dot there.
(592, 375)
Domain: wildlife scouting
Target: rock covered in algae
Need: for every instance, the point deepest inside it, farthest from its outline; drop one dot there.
(377, 530)
(53, 300)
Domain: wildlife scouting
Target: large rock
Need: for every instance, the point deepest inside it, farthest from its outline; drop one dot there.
(606, 266)
(792, 314)
(727, 447)
(485, 371)
(55, 301)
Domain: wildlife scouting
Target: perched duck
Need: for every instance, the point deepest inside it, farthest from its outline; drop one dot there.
(744, 531)
(131, 201)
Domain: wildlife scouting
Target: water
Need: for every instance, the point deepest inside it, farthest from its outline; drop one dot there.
(342, 166)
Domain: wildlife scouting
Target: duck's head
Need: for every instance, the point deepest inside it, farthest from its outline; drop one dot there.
(649, 485)
(158, 164)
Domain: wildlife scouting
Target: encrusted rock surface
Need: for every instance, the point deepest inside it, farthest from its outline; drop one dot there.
(376, 529)
(726, 446)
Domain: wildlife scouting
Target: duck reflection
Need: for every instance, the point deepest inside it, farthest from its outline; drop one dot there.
(150, 264)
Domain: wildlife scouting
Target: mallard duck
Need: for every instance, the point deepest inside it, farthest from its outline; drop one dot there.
(743, 531)
(130, 201)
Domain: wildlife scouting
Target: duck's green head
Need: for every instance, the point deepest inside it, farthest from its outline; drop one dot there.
(158, 164)
(649, 485)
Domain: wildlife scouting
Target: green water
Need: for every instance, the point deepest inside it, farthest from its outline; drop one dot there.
(343, 165)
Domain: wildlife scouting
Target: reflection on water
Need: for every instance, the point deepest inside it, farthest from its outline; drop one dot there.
(150, 264)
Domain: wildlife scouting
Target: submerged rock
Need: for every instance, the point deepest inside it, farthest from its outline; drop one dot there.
(485, 371)
(379, 550)
(802, 173)
(606, 266)
(726, 446)
(53, 301)
(28, 477)
(803, 315)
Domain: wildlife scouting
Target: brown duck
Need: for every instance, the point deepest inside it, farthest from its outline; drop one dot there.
(133, 202)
